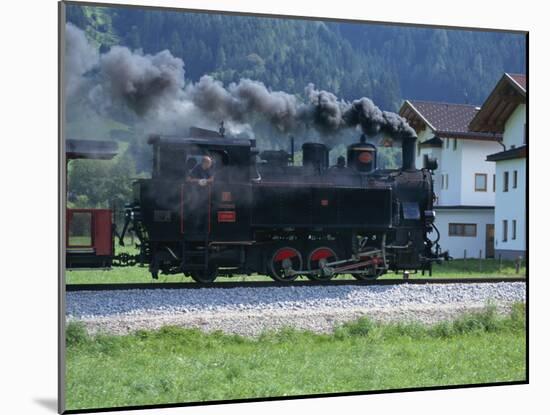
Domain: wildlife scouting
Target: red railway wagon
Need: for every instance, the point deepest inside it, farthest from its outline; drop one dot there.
(89, 232)
(89, 238)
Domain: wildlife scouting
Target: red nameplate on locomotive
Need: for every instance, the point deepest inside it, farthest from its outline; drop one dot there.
(227, 216)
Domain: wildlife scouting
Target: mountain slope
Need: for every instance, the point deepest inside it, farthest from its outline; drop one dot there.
(387, 63)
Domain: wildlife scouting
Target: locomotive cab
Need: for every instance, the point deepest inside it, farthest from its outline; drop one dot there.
(181, 217)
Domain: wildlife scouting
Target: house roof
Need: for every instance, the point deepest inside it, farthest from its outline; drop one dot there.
(90, 149)
(520, 78)
(513, 153)
(444, 119)
(509, 92)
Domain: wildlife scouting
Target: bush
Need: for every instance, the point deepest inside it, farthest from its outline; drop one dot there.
(517, 316)
(484, 321)
(361, 327)
(76, 334)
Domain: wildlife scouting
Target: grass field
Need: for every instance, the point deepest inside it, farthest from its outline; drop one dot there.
(452, 269)
(175, 365)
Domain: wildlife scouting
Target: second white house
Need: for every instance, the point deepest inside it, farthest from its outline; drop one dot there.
(464, 182)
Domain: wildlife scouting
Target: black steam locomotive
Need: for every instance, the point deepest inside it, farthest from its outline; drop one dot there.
(263, 214)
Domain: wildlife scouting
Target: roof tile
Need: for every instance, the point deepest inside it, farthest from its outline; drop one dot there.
(446, 117)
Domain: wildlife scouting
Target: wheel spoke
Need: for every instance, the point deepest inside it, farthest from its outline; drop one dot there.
(317, 259)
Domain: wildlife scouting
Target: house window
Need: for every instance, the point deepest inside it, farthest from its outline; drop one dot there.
(505, 184)
(494, 182)
(515, 179)
(514, 226)
(462, 229)
(418, 149)
(524, 133)
(444, 181)
(454, 144)
(480, 182)
(447, 142)
(504, 230)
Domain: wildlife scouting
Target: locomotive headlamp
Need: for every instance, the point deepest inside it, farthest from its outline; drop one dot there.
(365, 157)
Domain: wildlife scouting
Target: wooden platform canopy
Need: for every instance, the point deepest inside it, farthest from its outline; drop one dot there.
(90, 149)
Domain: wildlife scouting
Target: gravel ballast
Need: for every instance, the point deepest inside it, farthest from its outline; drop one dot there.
(250, 311)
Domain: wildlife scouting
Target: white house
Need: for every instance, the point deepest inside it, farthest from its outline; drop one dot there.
(464, 183)
(504, 112)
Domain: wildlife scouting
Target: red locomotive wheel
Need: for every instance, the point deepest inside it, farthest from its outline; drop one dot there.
(371, 272)
(316, 261)
(283, 261)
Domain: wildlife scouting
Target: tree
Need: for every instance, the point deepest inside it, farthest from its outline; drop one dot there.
(221, 60)
(175, 44)
(133, 39)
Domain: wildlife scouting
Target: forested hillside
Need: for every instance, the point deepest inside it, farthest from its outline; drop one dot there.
(386, 63)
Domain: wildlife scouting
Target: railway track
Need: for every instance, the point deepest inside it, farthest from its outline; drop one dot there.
(304, 283)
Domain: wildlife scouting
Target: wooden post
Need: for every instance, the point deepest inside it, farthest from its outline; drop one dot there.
(518, 264)
(480, 264)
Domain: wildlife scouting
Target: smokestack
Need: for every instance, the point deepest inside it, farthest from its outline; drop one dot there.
(407, 148)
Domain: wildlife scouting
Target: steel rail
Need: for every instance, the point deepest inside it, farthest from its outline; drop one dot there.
(265, 284)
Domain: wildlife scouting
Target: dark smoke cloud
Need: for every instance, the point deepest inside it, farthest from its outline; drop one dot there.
(239, 102)
(324, 111)
(142, 82)
(80, 57)
(153, 87)
(331, 115)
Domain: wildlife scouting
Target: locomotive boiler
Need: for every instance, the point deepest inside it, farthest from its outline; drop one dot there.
(264, 214)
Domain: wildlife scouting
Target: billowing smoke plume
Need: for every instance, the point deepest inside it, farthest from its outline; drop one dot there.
(142, 82)
(154, 89)
(80, 57)
(239, 102)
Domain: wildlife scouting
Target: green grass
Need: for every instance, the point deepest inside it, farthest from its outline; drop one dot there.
(472, 267)
(80, 240)
(182, 365)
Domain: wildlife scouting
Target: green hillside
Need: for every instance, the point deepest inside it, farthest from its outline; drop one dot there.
(387, 63)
